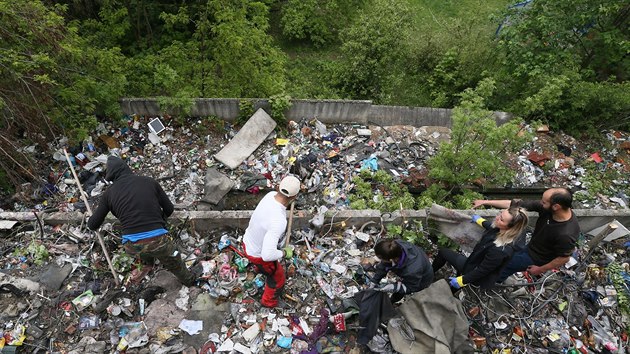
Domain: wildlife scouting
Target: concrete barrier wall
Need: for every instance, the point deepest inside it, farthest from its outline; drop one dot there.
(589, 219)
(327, 111)
(330, 111)
(416, 116)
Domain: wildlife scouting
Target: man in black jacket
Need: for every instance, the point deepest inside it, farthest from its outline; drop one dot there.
(142, 208)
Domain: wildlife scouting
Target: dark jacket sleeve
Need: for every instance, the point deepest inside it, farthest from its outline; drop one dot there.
(165, 203)
(494, 258)
(379, 273)
(97, 218)
(414, 281)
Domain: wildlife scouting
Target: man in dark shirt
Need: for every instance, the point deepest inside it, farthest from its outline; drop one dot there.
(142, 208)
(554, 237)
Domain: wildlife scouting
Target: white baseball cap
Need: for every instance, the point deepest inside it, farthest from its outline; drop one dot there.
(289, 186)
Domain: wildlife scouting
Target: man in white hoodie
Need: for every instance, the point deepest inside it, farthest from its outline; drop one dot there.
(264, 238)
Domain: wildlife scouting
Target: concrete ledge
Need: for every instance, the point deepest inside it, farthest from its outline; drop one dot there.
(327, 111)
(208, 220)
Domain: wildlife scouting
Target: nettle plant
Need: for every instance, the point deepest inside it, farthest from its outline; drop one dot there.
(380, 191)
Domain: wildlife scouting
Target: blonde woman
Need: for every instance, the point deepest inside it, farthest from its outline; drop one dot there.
(490, 255)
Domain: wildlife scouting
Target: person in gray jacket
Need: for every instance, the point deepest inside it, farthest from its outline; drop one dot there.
(408, 262)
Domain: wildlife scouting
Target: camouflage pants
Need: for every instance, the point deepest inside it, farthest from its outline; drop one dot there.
(163, 249)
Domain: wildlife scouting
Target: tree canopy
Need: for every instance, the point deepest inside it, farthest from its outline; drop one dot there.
(65, 64)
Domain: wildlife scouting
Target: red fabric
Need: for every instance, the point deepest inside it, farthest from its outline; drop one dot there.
(275, 279)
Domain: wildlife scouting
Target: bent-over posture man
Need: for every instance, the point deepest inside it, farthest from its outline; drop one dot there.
(142, 208)
(554, 237)
(265, 234)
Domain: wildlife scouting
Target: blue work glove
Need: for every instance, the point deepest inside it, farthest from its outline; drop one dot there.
(477, 219)
(456, 283)
(394, 288)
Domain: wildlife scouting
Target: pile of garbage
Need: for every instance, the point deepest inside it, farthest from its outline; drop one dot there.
(59, 297)
(183, 158)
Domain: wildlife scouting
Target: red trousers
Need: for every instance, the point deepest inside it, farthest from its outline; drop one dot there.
(274, 282)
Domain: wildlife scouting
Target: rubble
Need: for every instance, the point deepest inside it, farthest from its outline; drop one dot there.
(584, 306)
(59, 295)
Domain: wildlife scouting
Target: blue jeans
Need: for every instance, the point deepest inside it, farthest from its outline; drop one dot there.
(519, 262)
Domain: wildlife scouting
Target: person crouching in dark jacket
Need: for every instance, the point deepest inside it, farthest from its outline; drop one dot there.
(407, 261)
(490, 255)
(142, 207)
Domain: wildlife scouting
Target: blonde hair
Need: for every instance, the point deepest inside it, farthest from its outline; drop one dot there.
(515, 227)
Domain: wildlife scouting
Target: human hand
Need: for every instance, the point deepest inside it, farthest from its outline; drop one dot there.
(394, 288)
(288, 252)
(456, 283)
(535, 270)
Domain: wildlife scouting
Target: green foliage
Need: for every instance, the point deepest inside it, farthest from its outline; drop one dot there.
(615, 273)
(316, 21)
(35, 250)
(445, 242)
(245, 61)
(310, 19)
(465, 199)
(122, 262)
(245, 111)
(566, 62)
(478, 147)
(379, 191)
(373, 50)
(410, 232)
(600, 180)
(280, 104)
(434, 194)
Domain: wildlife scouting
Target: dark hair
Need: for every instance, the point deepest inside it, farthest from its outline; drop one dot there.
(388, 249)
(562, 197)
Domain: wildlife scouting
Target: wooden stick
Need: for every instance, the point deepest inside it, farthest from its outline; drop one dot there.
(289, 225)
(89, 209)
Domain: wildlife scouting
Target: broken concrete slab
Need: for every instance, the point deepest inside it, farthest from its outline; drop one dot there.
(216, 187)
(619, 232)
(251, 135)
(20, 283)
(162, 313)
(7, 224)
(53, 277)
(165, 279)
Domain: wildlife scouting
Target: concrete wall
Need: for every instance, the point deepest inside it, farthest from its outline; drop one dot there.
(206, 220)
(327, 111)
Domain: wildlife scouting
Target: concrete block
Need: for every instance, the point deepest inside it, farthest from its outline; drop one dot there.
(216, 187)
(251, 135)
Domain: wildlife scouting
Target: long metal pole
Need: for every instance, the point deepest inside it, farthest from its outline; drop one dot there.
(89, 209)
